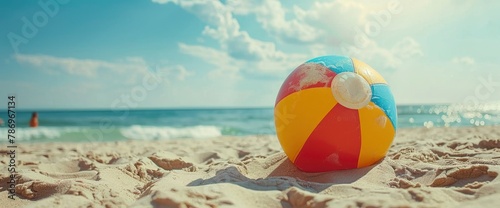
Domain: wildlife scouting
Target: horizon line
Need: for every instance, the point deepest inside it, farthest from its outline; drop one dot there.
(189, 108)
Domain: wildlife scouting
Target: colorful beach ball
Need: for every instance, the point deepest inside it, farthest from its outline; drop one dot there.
(334, 113)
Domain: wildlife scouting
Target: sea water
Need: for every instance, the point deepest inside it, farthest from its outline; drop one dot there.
(112, 125)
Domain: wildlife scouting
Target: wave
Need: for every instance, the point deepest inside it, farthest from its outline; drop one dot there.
(153, 132)
(88, 134)
(26, 134)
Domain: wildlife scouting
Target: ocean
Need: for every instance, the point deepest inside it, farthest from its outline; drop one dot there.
(107, 125)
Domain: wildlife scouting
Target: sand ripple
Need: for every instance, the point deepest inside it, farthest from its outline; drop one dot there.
(440, 167)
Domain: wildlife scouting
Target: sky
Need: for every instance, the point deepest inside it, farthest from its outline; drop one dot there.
(233, 53)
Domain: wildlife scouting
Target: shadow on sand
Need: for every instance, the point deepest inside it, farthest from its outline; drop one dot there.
(282, 175)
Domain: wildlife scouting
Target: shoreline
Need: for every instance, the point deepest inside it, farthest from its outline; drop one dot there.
(440, 166)
(68, 141)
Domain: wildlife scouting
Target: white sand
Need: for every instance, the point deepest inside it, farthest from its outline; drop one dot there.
(439, 167)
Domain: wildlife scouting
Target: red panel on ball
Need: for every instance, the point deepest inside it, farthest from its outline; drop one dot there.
(334, 144)
(306, 76)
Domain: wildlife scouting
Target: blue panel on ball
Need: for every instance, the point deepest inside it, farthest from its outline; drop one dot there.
(383, 98)
(337, 64)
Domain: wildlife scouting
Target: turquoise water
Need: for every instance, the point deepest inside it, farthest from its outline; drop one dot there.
(104, 125)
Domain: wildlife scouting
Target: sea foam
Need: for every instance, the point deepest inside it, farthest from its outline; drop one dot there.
(85, 134)
(154, 132)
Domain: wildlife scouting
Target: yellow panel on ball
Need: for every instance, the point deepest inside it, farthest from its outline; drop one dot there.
(377, 134)
(313, 104)
(367, 72)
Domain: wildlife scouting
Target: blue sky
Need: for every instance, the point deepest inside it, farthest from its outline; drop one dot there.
(208, 53)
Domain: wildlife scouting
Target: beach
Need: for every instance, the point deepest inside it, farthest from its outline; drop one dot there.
(225, 103)
(425, 167)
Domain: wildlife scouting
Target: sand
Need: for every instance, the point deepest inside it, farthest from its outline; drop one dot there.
(437, 167)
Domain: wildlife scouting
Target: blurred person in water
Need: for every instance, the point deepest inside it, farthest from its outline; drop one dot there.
(34, 119)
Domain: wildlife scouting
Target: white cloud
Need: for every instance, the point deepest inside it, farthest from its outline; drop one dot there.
(466, 63)
(272, 16)
(82, 67)
(330, 21)
(334, 26)
(223, 27)
(464, 60)
(130, 70)
(238, 51)
(167, 72)
(224, 64)
(341, 19)
(407, 48)
(182, 72)
(336, 19)
(347, 28)
(388, 58)
(324, 27)
(438, 14)
(230, 67)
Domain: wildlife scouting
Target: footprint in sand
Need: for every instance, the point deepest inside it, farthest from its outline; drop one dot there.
(464, 177)
(170, 161)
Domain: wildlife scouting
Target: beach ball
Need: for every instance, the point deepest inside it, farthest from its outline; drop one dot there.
(335, 113)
